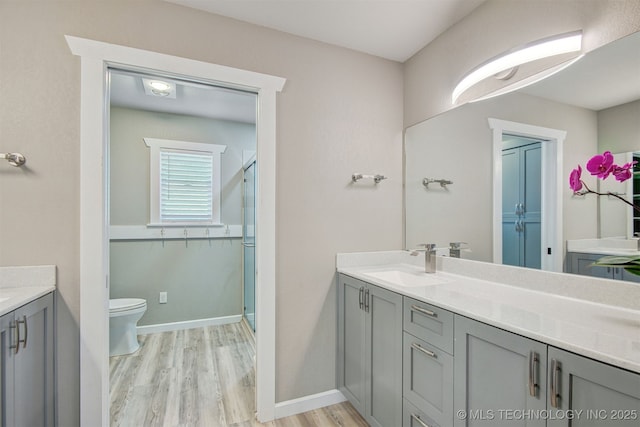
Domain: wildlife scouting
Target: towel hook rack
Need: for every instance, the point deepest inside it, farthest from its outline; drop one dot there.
(443, 182)
(14, 159)
(376, 178)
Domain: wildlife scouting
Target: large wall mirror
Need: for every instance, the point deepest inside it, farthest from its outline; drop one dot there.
(590, 107)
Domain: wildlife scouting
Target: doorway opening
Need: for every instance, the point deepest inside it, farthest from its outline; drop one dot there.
(96, 57)
(550, 211)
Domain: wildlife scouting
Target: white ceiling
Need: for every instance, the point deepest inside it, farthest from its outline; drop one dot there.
(192, 99)
(392, 29)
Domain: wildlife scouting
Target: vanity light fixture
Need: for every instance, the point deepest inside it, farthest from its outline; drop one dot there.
(159, 88)
(504, 66)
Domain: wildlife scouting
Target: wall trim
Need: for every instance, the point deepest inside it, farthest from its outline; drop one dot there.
(308, 403)
(188, 324)
(144, 232)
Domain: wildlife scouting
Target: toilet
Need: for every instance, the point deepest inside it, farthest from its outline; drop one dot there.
(124, 314)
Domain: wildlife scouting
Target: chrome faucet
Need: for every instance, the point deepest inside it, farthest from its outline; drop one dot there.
(454, 249)
(429, 250)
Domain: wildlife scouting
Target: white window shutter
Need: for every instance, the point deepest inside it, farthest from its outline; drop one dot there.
(185, 182)
(186, 193)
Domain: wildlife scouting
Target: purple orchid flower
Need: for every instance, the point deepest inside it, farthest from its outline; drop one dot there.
(601, 165)
(623, 173)
(575, 182)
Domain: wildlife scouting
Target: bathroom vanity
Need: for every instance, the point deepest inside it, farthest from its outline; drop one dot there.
(485, 344)
(581, 254)
(27, 346)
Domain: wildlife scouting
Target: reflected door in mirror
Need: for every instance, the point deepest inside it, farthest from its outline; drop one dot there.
(521, 202)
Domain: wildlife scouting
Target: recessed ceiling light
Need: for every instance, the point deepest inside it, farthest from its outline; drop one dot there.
(159, 88)
(540, 49)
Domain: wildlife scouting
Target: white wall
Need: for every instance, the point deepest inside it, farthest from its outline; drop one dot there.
(340, 112)
(458, 145)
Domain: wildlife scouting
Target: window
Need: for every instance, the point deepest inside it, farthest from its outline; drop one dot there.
(185, 182)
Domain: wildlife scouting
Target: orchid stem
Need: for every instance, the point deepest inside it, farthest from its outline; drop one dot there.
(588, 190)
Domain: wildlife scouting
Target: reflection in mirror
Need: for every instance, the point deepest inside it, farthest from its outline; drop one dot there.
(596, 101)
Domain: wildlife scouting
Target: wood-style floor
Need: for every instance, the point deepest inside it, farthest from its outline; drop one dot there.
(199, 377)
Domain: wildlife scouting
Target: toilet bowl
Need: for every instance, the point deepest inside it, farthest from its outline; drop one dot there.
(124, 314)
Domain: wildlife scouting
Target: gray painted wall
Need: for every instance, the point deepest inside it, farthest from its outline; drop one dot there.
(457, 145)
(340, 113)
(203, 278)
(619, 128)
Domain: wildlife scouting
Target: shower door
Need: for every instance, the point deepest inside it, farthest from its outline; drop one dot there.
(249, 244)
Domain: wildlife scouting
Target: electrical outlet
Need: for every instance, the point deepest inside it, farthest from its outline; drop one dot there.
(163, 297)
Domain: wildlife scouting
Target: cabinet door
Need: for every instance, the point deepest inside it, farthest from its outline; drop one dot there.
(496, 372)
(428, 379)
(596, 393)
(351, 341)
(7, 339)
(384, 361)
(33, 385)
(581, 264)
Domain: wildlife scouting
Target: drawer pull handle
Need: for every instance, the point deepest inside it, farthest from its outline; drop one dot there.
(533, 373)
(555, 370)
(423, 311)
(366, 300)
(23, 341)
(424, 350)
(18, 340)
(419, 421)
(361, 298)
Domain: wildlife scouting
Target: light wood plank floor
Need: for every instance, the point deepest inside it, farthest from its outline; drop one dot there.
(200, 377)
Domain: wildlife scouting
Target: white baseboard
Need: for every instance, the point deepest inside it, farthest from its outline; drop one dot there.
(188, 324)
(308, 403)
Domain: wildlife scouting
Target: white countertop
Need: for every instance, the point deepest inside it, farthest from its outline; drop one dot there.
(612, 246)
(21, 285)
(571, 319)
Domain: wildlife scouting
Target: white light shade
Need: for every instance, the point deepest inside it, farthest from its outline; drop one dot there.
(565, 43)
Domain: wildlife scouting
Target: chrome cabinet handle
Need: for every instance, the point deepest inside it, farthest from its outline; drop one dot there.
(360, 297)
(517, 209)
(521, 208)
(17, 345)
(555, 370)
(366, 300)
(533, 373)
(423, 311)
(26, 331)
(424, 350)
(419, 421)
(248, 245)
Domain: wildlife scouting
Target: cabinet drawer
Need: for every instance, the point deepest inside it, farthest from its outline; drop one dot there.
(431, 324)
(428, 379)
(413, 417)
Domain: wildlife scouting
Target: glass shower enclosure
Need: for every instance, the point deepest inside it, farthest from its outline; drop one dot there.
(249, 244)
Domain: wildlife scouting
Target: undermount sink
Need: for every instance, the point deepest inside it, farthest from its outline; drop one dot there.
(410, 279)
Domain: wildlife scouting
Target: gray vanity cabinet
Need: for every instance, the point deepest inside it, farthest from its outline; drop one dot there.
(595, 393)
(427, 364)
(496, 371)
(370, 350)
(26, 378)
(581, 263)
